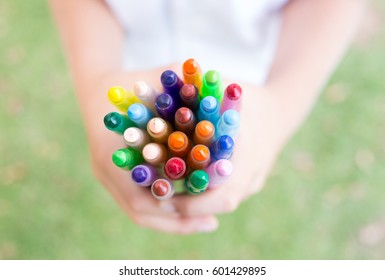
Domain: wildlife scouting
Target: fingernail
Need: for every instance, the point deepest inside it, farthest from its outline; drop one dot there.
(207, 227)
(167, 207)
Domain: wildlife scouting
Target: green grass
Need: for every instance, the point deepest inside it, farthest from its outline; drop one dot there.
(324, 199)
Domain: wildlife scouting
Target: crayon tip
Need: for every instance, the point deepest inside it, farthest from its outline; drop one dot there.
(135, 111)
(183, 115)
(120, 158)
(156, 125)
(212, 77)
(199, 179)
(112, 119)
(188, 91)
(168, 77)
(209, 103)
(231, 117)
(139, 174)
(164, 100)
(190, 66)
(201, 153)
(160, 187)
(225, 142)
(116, 94)
(174, 166)
(177, 140)
(224, 167)
(140, 88)
(234, 91)
(205, 128)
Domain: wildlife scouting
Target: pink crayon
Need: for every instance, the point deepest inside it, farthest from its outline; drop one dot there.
(219, 172)
(232, 98)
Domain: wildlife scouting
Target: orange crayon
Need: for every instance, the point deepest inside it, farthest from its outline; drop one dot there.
(192, 73)
(204, 133)
(178, 144)
(199, 157)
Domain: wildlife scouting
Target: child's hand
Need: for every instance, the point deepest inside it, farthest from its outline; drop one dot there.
(261, 137)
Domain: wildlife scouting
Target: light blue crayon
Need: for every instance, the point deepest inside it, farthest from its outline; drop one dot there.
(139, 114)
(209, 109)
(228, 124)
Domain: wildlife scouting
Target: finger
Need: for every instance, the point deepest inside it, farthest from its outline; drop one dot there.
(180, 225)
(210, 202)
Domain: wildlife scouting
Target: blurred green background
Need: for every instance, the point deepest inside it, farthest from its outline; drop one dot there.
(324, 199)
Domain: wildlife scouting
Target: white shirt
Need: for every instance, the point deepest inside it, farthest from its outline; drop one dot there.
(235, 37)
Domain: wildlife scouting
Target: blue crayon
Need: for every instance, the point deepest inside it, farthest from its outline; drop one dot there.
(166, 106)
(139, 114)
(228, 124)
(209, 109)
(171, 84)
(222, 148)
(144, 175)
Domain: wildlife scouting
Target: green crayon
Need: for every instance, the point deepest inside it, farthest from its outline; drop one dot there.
(197, 182)
(212, 85)
(117, 122)
(127, 158)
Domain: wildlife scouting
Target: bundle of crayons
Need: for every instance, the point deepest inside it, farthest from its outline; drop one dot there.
(186, 133)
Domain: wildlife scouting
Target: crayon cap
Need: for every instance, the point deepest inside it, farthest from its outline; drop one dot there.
(177, 140)
(200, 153)
(112, 120)
(231, 117)
(122, 158)
(136, 111)
(205, 128)
(151, 151)
(183, 115)
(234, 91)
(212, 77)
(160, 187)
(163, 100)
(116, 94)
(188, 91)
(224, 167)
(209, 104)
(175, 166)
(139, 174)
(199, 180)
(190, 66)
(141, 88)
(225, 142)
(168, 77)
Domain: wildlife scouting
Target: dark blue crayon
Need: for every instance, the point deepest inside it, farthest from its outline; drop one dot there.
(222, 148)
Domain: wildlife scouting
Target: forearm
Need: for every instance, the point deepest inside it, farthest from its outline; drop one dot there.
(314, 36)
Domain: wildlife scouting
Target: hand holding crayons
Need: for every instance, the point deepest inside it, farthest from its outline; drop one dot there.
(185, 133)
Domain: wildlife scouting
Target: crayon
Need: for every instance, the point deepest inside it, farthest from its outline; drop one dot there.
(162, 189)
(189, 96)
(171, 84)
(222, 148)
(139, 114)
(212, 85)
(192, 73)
(185, 120)
(228, 124)
(197, 182)
(232, 98)
(146, 94)
(175, 168)
(117, 122)
(178, 144)
(204, 133)
(127, 158)
(166, 106)
(136, 137)
(159, 129)
(219, 172)
(143, 175)
(121, 98)
(209, 110)
(199, 157)
(154, 153)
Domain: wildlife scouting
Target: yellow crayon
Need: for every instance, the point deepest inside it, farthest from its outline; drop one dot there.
(122, 98)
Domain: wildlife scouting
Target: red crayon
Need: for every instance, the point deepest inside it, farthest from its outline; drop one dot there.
(175, 168)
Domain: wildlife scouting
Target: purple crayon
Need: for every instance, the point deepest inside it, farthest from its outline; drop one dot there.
(144, 175)
(219, 172)
(166, 106)
(171, 84)
(232, 98)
